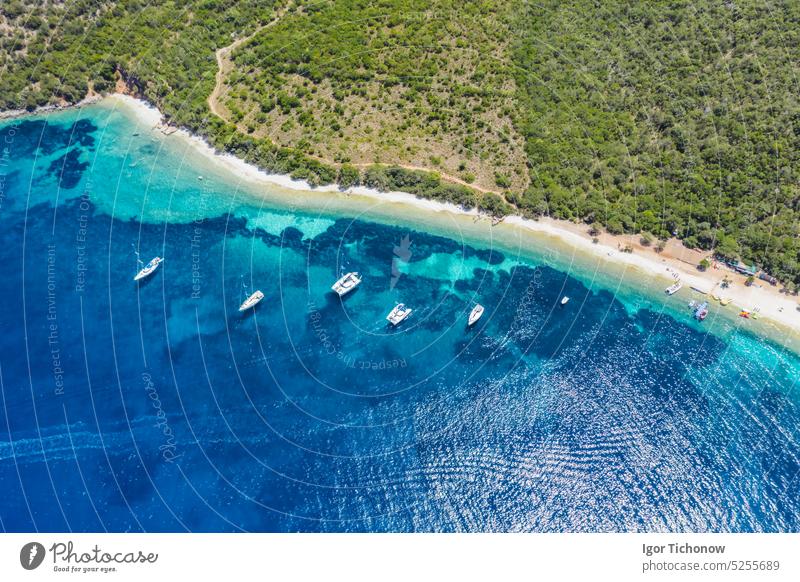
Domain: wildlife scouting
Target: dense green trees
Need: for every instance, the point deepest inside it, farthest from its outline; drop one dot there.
(348, 176)
(670, 117)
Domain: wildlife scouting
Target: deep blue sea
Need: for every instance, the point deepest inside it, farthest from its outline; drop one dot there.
(158, 407)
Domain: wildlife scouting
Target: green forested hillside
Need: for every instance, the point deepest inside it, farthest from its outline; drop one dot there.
(672, 117)
(668, 116)
(53, 51)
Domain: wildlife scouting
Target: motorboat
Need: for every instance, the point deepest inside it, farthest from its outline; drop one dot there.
(564, 300)
(346, 284)
(674, 288)
(701, 312)
(398, 314)
(251, 301)
(475, 314)
(148, 269)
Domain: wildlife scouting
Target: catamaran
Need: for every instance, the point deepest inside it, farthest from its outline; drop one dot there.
(346, 284)
(398, 314)
(148, 269)
(674, 288)
(251, 301)
(475, 314)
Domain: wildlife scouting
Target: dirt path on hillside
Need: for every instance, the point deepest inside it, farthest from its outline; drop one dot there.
(445, 177)
(224, 63)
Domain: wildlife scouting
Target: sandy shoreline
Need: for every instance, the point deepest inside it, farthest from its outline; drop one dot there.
(766, 301)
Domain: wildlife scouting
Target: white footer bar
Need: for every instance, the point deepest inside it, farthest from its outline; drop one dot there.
(418, 557)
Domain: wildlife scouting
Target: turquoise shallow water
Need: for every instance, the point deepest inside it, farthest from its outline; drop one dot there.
(159, 407)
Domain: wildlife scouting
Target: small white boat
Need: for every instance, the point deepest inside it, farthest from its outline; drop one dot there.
(251, 301)
(475, 314)
(398, 314)
(674, 288)
(346, 284)
(148, 269)
(564, 300)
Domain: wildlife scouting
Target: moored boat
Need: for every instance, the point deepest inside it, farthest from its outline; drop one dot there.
(148, 269)
(701, 312)
(346, 284)
(398, 314)
(251, 301)
(475, 314)
(674, 288)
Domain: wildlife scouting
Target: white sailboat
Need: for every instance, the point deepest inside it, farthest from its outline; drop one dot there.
(148, 269)
(251, 301)
(475, 314)
(398, 314)
(346, 284)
